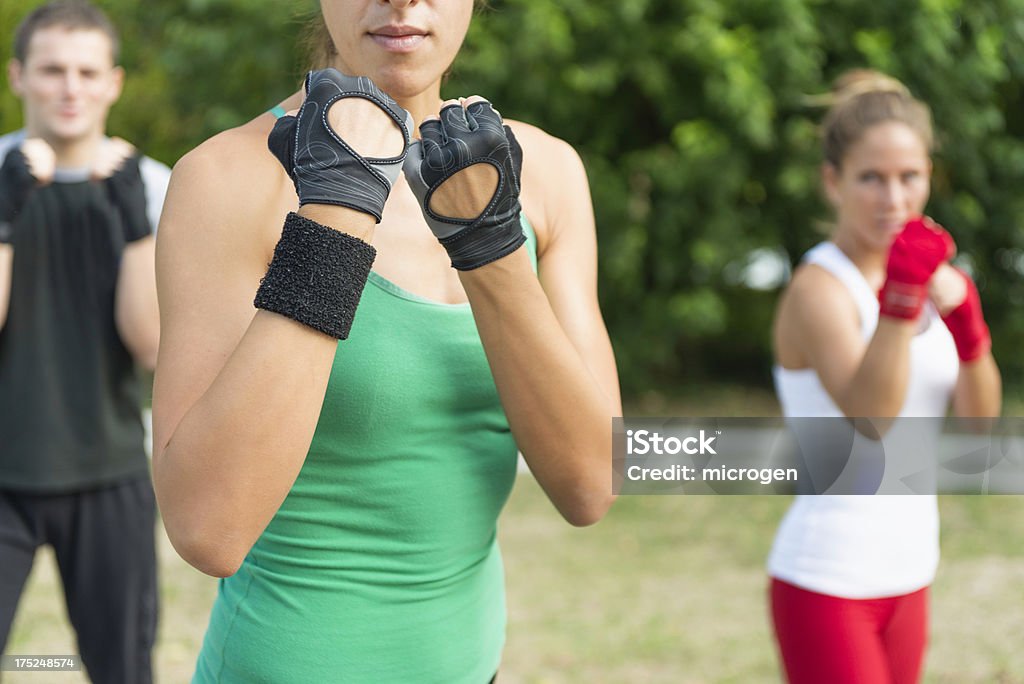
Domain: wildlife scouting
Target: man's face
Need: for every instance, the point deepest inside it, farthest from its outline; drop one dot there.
(67, 84)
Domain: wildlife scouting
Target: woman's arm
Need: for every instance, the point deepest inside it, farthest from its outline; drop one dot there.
(818, 327)
(237, 392)
(979, 387)
(544, 338)
(546, 341)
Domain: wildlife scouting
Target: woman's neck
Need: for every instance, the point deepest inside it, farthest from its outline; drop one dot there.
(870, 262)
(422, 105)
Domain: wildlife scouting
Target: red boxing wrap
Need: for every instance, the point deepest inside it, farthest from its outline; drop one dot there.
(967, 325)
(915, 254)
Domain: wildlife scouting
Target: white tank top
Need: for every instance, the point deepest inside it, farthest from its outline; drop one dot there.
(865, 546)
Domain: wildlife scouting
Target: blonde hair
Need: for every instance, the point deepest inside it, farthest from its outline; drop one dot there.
(862, 98)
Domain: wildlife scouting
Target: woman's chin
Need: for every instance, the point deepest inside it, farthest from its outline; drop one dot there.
(403, 82)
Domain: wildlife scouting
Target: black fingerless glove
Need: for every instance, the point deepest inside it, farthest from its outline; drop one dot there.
(318, 274)
(128, 195)
(324, 168)
(16, 184)
(460, 139)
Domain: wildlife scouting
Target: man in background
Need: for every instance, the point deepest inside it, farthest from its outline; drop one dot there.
(78, 311)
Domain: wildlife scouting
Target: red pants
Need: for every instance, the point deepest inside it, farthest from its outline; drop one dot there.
(825, 638)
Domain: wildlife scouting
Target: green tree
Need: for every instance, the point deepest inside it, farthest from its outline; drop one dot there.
(694, 118)
(194, 67)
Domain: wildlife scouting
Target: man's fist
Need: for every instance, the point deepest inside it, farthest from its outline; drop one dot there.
(110, 157)
(24, 168)
(41, 159)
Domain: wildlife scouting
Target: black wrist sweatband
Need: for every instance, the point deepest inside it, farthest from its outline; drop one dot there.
(127, 192)
(316, 276)
(16, 183)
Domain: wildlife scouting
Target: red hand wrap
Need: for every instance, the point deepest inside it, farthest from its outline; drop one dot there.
(967, 325)
(915, 254)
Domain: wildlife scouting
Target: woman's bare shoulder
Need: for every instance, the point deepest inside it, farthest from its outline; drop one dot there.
(233, 159)
(540, 148)
(813, 286)
(554, 183)
(227, 200)
(814, 308)
(231, 178)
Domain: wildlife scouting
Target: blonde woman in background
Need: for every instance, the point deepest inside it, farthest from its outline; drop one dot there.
(875, 323)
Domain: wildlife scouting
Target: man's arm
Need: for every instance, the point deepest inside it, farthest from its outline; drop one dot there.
(6, 261)
(136, 313)
(21, 171)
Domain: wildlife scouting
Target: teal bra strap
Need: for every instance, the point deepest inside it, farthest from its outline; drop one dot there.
(277, 111)
(531, 239)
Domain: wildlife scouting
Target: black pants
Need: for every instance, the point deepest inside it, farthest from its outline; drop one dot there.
(106, 553)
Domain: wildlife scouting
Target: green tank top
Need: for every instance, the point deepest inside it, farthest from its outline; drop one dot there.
(382, 564)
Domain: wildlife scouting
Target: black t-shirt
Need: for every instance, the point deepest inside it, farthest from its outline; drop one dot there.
(69, 396)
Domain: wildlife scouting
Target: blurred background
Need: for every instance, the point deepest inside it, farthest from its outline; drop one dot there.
(697, 124)
(697, 121)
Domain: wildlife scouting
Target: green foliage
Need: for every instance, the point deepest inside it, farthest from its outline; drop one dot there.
(194, 67)
(694, 121)
(692, 117)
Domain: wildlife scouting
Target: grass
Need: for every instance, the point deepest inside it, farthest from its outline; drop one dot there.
(706, 400)
(672, 589)
(665, 589)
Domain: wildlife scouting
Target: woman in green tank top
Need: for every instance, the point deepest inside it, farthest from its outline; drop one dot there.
(347, 492)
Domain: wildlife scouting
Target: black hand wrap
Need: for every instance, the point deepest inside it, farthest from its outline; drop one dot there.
(324, 168)
(128, 195)
(460, 139)
(16, 184)
(316, 277)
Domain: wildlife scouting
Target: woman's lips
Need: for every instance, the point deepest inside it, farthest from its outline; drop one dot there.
(398, 43)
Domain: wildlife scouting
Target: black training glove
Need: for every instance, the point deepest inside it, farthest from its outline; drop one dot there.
(16, 184)
(324, 168)
(461, 138)
(127, 193)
